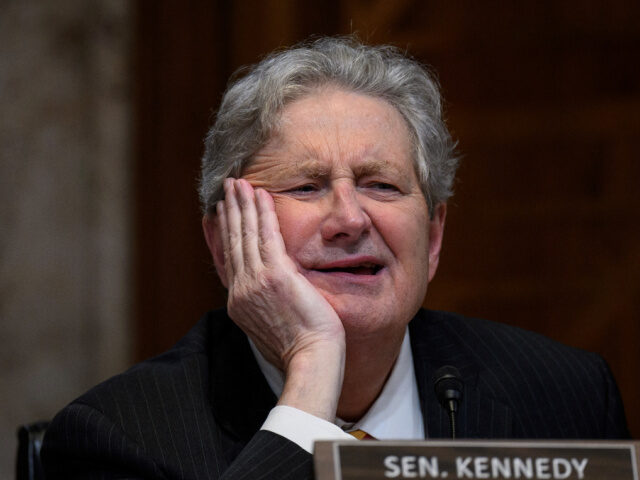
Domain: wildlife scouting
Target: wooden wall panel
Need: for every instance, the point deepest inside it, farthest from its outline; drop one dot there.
(544, 98)
(543, 231)
(185, 53)
(180, 67)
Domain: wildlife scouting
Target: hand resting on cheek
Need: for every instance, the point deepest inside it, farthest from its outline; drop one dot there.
(290, 322)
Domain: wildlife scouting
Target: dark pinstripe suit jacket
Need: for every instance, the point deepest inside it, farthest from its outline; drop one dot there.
(194, 412)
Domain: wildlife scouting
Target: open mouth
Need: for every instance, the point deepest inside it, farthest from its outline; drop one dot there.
(360, 269)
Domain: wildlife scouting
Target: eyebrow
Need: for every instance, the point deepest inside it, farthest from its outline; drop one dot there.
(312, 168)
(374, 167)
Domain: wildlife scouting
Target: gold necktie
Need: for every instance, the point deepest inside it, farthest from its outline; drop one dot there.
(361, 435)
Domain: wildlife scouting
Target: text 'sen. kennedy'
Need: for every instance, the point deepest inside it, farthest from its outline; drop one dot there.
(415, 466)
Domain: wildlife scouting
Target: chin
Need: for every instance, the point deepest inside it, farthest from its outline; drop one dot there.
(364, 317)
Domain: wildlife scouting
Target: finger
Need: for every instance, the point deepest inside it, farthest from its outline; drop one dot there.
(234, 226)
(224, 233)
(272, 246)
(249, 219)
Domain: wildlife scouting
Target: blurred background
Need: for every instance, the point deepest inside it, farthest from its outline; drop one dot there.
(104, 107)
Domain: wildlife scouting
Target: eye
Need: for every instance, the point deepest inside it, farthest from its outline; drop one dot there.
(384, 186)
(380, 190)
(304, 189)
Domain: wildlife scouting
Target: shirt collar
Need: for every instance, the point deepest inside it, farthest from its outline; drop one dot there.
(395, 414)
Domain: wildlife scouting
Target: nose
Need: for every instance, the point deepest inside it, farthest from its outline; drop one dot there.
(345, 220)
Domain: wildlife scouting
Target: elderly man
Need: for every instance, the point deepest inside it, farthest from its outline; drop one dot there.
(324, 187)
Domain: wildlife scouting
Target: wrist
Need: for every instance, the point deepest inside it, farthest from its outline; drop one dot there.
(314, 379)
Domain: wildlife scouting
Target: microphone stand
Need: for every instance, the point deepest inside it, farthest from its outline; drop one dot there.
(448, 386)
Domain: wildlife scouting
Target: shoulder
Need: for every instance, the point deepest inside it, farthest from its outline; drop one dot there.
(177, 380)
(497, 343)
(537, 377)
(151, 417)
(187, 361)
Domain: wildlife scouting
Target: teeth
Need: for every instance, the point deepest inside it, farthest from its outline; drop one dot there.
(350, 267)
(365, 268)
(361, 269)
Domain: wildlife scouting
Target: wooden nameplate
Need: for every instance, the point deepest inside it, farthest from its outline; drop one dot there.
(487, 459)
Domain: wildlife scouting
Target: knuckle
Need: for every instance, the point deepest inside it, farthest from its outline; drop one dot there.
(234, 241)
(263, 279)
(271, 280)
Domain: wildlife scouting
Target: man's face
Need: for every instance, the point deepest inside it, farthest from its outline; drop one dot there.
(351, 211)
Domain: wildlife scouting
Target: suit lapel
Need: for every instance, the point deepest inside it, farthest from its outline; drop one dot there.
(240, 396)
(479, 415)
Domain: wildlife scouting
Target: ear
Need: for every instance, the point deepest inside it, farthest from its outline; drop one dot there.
(436, 232)
(212, 235)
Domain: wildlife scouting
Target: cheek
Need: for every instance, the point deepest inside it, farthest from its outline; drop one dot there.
(295, 221)
(406, 235)
(405, 230)
(413, 277)
(410, 246)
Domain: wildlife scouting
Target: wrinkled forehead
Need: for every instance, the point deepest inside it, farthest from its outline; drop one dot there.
(279, 169)
(330, 123)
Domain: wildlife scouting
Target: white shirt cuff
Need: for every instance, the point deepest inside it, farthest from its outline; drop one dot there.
(302, 428)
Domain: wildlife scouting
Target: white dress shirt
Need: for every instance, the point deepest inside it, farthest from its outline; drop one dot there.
(395, 414)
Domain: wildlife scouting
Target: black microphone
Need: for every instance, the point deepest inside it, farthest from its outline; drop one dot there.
(448, 385)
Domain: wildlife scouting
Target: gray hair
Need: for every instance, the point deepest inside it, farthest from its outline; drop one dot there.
(250, 108)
